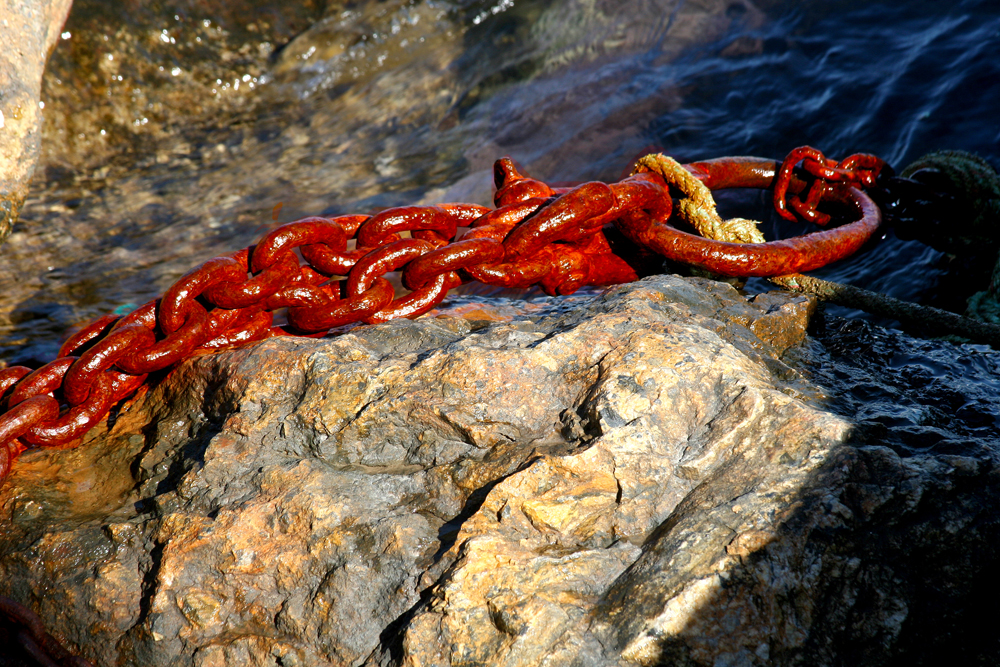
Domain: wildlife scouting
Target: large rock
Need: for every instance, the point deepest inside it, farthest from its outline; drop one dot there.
(658, 475)
(28, 31)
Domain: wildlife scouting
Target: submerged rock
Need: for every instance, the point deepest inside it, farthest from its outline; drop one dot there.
(662, 474)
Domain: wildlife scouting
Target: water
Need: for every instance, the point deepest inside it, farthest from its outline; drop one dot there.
(173, 135)
(897, 79)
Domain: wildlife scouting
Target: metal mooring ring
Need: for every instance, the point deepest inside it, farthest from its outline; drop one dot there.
(774, 258)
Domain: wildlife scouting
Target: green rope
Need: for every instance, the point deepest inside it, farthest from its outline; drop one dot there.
(975, 186)
(934, 321)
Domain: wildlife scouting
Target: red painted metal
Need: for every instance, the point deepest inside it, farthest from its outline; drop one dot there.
(34, 642)
(774, 258)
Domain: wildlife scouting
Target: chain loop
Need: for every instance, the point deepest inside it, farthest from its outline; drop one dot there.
(513, 187)
(328, 261)
(435, 224)
(307, 231)
(344, 311)
(157, 355)
(93, 331)
(178, 299)
(38, 644)
(251, 325)
(78, 419)
(44, 380)
(251, 291)
(95, 361)
(453, 257)
(859, 170)
(18, 420)
(10, 376)
(389, 258)
(536, 235)
(576, 214)
(773, 258)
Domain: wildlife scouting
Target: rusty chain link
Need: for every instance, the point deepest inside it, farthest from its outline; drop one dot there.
(859, 170)
(557, 238)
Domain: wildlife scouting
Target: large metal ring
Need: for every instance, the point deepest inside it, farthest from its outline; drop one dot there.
(774, 258)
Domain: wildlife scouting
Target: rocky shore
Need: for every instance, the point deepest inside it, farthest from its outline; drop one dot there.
(661, 474)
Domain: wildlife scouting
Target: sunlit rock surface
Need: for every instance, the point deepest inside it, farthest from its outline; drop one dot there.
(663, 474)
(28, 31)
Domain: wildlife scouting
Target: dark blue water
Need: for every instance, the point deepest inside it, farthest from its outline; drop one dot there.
(897, 79)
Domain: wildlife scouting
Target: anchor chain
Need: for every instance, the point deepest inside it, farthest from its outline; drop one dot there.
(560, 239)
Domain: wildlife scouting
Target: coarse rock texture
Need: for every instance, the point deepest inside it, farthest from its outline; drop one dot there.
(28, 31)
(655, 475)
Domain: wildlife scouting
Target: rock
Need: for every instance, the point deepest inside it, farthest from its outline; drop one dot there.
(667, 473)
(128, 87)
(28, 31)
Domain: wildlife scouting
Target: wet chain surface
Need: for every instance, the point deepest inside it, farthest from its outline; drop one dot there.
(558, 238)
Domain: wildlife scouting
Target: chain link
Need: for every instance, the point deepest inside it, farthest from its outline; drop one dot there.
(536, 235)
(859, 170)
(25, 628)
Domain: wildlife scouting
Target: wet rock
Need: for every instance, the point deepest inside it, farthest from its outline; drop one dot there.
(28, 31)
(649, 476)
(129, 81)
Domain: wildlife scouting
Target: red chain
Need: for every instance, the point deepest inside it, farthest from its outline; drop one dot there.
(536, 235)
(859, 170)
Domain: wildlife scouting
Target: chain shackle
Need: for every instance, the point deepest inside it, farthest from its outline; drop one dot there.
(772, 258)
(860, 170)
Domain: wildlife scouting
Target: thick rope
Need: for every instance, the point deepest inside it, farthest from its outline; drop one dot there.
(698, 207)
(974, 186)
(934, 321)
(985, 305)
